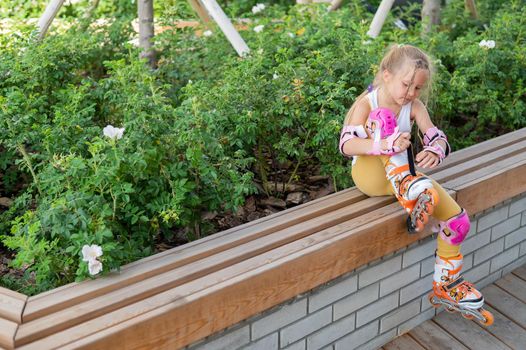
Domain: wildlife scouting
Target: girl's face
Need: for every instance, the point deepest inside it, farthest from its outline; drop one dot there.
(403, 86)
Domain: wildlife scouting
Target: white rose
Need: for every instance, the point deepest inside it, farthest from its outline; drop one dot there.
(258, 8)
(91, 252)
(94, 267)
(112, 132)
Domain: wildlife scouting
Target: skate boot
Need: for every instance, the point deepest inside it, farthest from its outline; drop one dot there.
(457, 295)
(415, 193)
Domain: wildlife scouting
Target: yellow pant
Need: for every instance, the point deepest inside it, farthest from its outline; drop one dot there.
(368, 174)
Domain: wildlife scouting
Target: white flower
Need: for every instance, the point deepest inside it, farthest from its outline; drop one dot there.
(275, 76)
(207, 33)
(258, 8)
(291, 34)
(112, 132)
(488, 44)
(94, 267)
(90, 253)
(259, 28)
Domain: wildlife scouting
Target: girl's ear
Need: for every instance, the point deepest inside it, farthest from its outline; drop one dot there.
(386, 75)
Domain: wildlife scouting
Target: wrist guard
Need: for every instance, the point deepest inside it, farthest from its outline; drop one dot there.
(431, 144)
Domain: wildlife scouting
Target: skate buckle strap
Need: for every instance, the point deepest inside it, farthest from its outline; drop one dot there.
(399, 170)
(454, 284)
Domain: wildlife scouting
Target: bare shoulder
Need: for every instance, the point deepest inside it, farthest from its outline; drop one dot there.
(360, 111)
(418, 110)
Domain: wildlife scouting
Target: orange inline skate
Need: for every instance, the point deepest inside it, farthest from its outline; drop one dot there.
(457, 295)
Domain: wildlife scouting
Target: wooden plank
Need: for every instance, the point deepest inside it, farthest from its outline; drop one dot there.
(514, 286)
(7, 333)
(181, 315)
(468, 153)
(468, 333)
(13, 294)
(68, 317)
(520, 272)
(507, 176)
(11, 305)
(432, 337)
(481, 161)
(507, 331)
(505, 303)
(403, 342)
(75, 293)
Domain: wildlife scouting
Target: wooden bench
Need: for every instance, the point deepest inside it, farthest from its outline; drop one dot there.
(177, 297)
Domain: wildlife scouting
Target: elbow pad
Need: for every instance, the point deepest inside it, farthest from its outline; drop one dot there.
(350, 132)
(431, 137)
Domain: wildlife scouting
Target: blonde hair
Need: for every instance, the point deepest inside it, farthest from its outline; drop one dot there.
(396, 57)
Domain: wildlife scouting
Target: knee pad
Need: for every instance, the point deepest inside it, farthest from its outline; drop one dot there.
(458, 228)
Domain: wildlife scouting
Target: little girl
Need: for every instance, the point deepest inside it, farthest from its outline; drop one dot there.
(380, 167)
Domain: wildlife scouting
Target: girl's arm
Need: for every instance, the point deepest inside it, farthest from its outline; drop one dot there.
(361, 142)
(426, 158)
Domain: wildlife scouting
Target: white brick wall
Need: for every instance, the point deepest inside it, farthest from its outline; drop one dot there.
(385, 298)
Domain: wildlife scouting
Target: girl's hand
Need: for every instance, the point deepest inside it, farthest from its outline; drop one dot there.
(403, 141)
(426, 159)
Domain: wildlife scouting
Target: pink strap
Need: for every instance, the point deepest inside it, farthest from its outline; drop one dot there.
(391, 149)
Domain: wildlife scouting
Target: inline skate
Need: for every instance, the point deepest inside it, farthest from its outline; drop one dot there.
(455, 294)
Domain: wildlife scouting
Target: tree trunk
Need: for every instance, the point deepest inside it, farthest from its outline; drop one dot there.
(91, 10)
(472, 8)
(48, 16)
(379, 18)
(335, 4)
(146, 31)
(430, 14)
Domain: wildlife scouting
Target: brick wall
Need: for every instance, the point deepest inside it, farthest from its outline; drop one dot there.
(368, 307)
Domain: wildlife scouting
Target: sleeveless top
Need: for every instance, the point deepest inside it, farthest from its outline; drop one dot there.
(403, 120)
(404, 117)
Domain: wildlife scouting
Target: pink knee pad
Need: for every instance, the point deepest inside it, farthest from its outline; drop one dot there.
(458, 227)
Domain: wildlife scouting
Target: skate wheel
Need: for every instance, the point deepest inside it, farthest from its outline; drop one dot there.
(431, 298)
(410, 227)
(434, 196)
(488, 316)
(467, 316)
(420, 224)
(450, 309)
(429, 208)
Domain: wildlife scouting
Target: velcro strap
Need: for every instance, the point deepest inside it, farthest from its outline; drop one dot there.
(453, 284)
